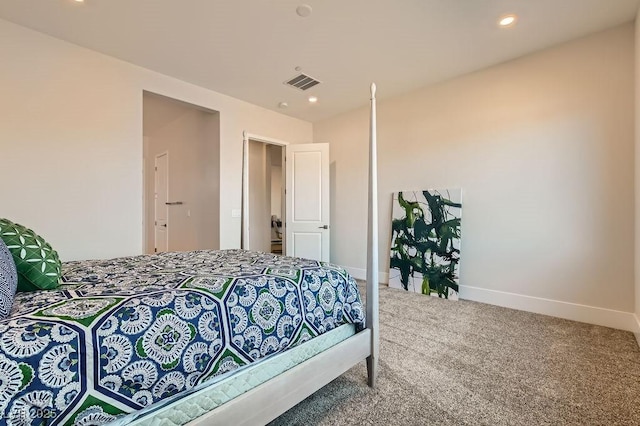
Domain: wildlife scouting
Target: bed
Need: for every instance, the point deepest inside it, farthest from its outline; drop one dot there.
(205, 337)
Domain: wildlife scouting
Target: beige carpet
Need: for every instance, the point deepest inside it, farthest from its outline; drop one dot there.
(467, 363)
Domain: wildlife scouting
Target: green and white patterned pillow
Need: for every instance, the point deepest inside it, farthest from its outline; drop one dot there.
(8, 280)
(38, 264)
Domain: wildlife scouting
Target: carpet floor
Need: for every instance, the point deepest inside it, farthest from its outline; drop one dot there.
(466, 363)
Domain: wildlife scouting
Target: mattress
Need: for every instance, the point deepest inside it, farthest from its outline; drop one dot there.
(123, 334)
(209, 397)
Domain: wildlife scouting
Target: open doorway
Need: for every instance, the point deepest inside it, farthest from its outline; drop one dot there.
(305, 210)
(266, 189)
(181, 167)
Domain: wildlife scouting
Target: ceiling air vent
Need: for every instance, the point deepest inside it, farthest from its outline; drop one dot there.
(302, 82)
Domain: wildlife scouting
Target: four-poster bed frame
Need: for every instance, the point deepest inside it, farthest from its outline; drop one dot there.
(267, 401)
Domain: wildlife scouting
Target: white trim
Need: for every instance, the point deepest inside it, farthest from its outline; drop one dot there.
(264, 139)
(361, 274)
(244, 233)
(571, 311)
(244, 218)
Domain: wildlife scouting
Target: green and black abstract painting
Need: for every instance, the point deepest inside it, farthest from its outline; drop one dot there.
(425, 242)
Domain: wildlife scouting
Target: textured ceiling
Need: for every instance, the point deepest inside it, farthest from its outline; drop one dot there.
(248, 48)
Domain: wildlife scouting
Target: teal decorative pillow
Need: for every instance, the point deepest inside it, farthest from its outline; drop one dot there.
(8, 280)
(38, 264)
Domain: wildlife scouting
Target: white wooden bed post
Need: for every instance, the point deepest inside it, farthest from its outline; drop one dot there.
(372, 246)
(265, 402)
(244, 233)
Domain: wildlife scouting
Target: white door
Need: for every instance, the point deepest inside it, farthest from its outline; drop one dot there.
(161, 207)
(307, 201)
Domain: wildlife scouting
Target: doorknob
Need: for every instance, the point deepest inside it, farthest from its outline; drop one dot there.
(164, 224)
(323, 227)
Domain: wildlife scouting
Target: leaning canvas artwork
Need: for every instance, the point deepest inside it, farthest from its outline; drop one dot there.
(425, 242)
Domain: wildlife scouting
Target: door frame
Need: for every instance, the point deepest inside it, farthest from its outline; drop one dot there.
(246, 136)
(155, 200)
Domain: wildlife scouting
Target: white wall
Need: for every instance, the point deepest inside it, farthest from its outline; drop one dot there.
(275, 165)
(191, 137)
(276, 191)
(71, 140)
(543, 149)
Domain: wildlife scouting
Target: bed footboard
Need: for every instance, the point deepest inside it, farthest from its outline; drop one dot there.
(269, 400)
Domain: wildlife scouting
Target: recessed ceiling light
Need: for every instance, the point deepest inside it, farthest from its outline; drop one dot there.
(313, 99)
(506, 21)
(79, 1)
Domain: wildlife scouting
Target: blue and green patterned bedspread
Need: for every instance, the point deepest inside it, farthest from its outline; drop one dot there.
(123, 334)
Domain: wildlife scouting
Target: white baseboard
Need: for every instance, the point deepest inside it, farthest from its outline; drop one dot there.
(361, 274)
(571, 311)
